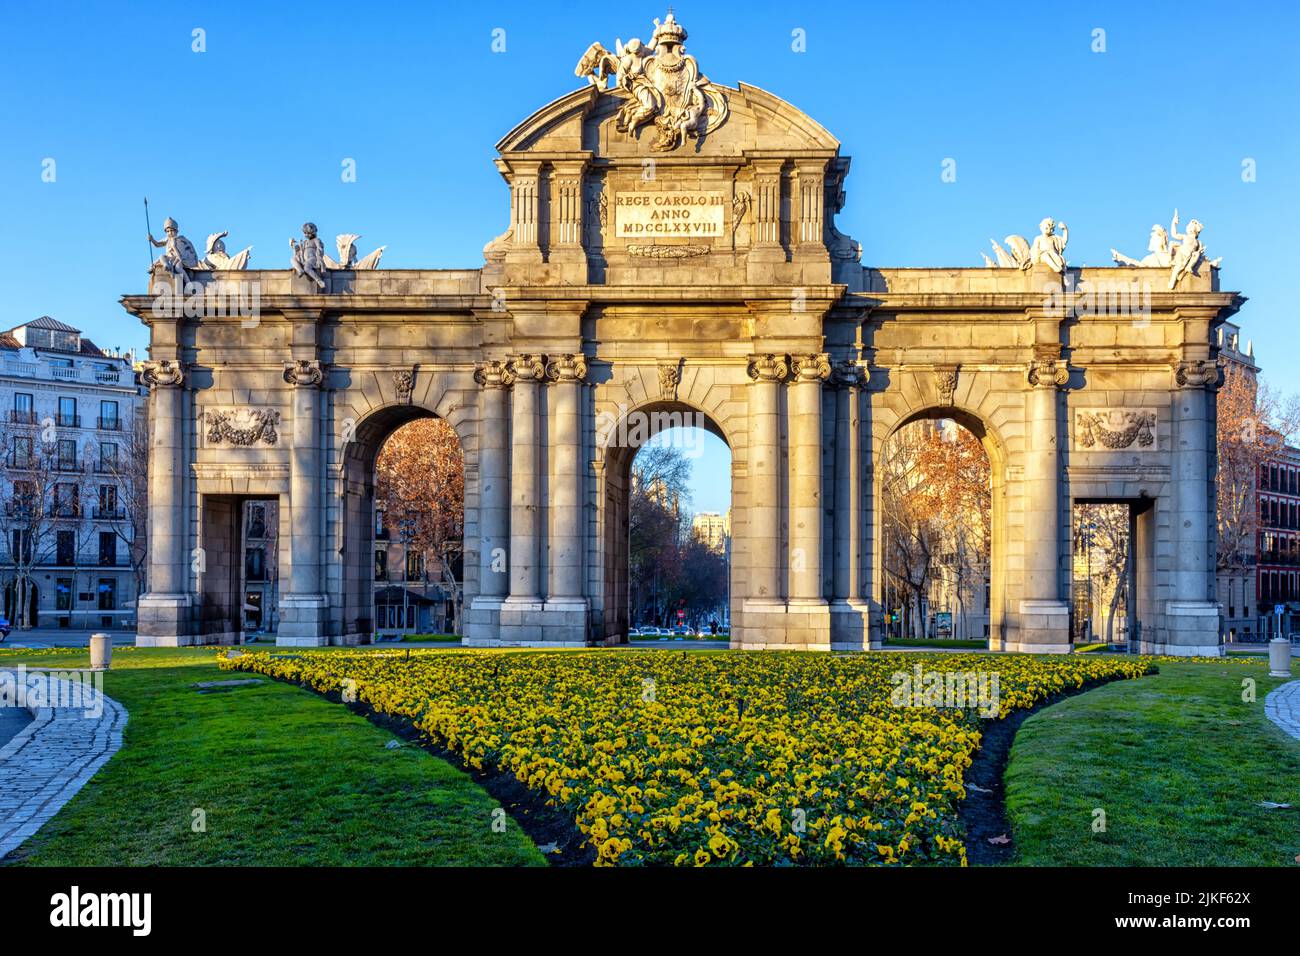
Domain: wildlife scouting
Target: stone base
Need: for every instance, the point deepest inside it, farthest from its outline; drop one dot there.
(1191, 630)
(796, 626)
(527, 622)
(850, 625)
(165, 620)
(304, 621)
(1044, 629)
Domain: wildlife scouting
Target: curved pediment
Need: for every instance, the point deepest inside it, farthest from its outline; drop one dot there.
(587, 119)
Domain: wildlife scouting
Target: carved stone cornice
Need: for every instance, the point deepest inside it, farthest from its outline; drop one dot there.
(494, 374)
(528, 367)
(945, 382)
(1198, 373)
(1048, 373)
(814, 367)
(306, 373)
(567, 368)
(769, 368)
(163, 373)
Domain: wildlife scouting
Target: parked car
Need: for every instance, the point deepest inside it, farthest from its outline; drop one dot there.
(5, 628)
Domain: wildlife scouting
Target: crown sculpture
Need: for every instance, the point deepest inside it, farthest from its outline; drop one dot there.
(661, 83)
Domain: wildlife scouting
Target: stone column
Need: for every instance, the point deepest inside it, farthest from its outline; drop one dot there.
(1192, 624)
(849, 617)
(806, 502)
(767, 373)
(1044, 617)
(302, 608)
(566, 532)
(163, 614)
(525, 583)
(494, 480)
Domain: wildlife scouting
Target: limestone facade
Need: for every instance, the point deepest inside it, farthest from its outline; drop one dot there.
(707, 278)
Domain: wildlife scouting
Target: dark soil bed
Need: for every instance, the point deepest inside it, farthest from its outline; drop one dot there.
(983, 813)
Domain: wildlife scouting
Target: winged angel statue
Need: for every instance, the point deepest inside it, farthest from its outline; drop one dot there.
(661, 83)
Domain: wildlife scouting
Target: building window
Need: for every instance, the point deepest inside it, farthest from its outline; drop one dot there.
(65, 548)
(108, 457)
(381, 565)
(108, 415)
(107, 594)
(66, 500)
(108, 549)
(20, 546)
(67, 412)
(63, 594)
(414, 566)
(67, 454)
(255, 564)
(23, 408)
(107, 501)
(22, 451)
(256, 519)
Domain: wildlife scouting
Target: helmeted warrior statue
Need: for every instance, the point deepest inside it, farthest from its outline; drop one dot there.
(179, 257)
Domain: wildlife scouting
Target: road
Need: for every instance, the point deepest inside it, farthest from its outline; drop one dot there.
(61, 637)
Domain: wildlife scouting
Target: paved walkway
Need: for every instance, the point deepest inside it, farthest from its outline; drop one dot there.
(1282, 707)
(49, 760)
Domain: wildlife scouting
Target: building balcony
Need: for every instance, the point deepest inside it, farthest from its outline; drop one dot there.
(108, 514)
(106, 467)
(67, 421)
(18, 417)
(65, 511)
(109, 424)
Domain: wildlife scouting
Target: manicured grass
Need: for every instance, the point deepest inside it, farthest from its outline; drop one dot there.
(284, 777)
(932, 642)
(1178, 762)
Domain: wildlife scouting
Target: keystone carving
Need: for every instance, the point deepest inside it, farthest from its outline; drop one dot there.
(945, 383)
(404, 382)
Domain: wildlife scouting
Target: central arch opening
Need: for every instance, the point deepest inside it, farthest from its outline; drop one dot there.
(668, 527)
(937, 497)
(403, 536)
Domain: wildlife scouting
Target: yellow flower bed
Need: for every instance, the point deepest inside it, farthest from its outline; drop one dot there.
(699, 759)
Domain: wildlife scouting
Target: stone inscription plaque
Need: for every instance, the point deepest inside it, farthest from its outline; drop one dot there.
(669, 214)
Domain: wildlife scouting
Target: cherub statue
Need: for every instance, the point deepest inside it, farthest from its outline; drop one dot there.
(347, 246)
(1189, 252)
(1047, 248)
(180, 256)
(309, 255)
(216, 258)
(1158, 256)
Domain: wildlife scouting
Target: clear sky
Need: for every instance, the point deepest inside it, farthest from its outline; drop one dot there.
(252, 134)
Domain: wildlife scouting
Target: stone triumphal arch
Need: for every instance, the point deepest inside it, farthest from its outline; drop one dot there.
(672, 245)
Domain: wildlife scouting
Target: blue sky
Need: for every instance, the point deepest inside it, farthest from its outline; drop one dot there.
(251, 135)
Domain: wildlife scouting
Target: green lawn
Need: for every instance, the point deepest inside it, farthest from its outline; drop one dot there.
(283, 776)
(933, 642)
(1178, 762)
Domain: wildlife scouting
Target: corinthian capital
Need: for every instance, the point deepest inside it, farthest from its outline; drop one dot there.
(567, 368)
(814, 367)
(768, 368)
(1048, 373)
(164, 373)
(1198, 373)
(528, 368)
(494, 374)
(305, 372)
